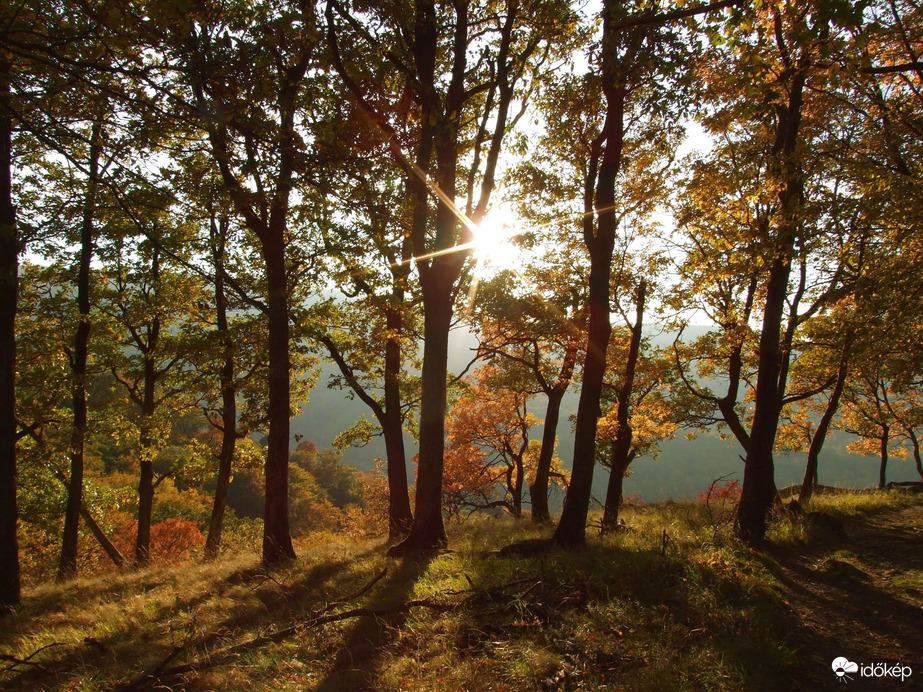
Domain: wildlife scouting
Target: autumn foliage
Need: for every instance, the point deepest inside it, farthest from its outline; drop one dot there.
(172, 540)
(489, 457)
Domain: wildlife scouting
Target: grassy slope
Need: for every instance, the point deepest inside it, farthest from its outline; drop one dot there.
(673, 603)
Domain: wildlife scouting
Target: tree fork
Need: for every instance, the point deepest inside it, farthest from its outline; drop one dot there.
(622, 455)
(571, 530)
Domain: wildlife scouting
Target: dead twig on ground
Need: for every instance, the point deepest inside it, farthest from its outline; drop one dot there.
(321, 618)
(216, 658)
(153, 675)
(27, 661)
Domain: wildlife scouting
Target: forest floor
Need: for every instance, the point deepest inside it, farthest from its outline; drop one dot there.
(673, 602)
(860, 597)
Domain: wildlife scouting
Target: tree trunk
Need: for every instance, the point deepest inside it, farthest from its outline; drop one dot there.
(619, 461)
(820, 434)
(225, 460)
(428, 532)
(67, 566)
(621, 449)
(147, 442)
(915, 441)
(9, 287)
(277, 539)
(883, 467)
(759, 476)
(145, 508)
(538, 491)
(727, 405)
(759, 484)
(571, 530)
(400, 518)
(228, 399)
(518, 481)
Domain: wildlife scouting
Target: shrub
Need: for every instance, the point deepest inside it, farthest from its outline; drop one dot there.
(727, 491)
(172, 540)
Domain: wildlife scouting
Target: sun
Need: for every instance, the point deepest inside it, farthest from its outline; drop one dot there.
(493, 246)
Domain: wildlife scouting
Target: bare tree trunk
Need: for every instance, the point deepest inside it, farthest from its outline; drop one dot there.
(228, 396)
(145, 509)
(428, 532)
(277, 539)
(823, 426)
(883, 466)
(67, 566)
(538, 491)
(9, 288)
(571, 530)
(400, 518)
(518, 482)
(915, 441)
(759, 484)
(622, 454)
(727, 405)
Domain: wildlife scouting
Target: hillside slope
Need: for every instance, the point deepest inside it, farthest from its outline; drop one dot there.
(670, 603)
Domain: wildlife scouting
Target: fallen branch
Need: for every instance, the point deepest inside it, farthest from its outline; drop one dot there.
(27, 661)
(361, 592)
(321, 618)
(219, 657)
(108, 546)
(153, 675)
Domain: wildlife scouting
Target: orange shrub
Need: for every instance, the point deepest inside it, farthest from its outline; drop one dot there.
(172, 540)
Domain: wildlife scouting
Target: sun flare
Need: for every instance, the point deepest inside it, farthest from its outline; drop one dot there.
(494, 249)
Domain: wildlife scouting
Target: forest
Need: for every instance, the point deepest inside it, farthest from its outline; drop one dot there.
(204, 203)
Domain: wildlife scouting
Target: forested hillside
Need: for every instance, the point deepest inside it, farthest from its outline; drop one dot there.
(557, 256)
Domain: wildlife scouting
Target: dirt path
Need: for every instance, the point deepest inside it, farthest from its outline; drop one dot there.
(859, 597)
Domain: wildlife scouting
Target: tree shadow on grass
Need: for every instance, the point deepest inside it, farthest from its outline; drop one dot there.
(212, 614)
(355, 665)
(633, 603)
(846, 599)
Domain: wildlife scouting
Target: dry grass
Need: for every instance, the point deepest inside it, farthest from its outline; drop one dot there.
(671, 603)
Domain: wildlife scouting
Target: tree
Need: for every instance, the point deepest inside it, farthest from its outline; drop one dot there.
(230, 354)
(442, 106)
(816, 438)
(488, 441)
(867, 415)
(536, 327)
(227, 380)
(144, 300)
(366, 334)
(775, 98)
(907, 409)
(622, 453)
(250, 96)
(365, 339)
(634, 64)
(10, 243)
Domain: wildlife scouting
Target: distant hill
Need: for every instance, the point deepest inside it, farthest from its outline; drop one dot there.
(684, 468)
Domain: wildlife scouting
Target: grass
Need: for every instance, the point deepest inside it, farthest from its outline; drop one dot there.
(673, 602)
